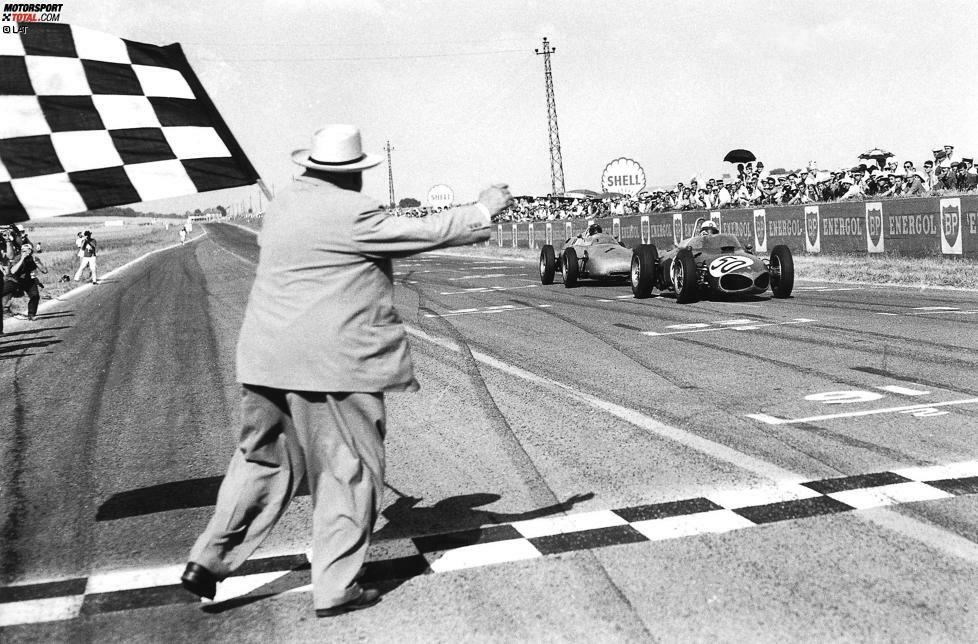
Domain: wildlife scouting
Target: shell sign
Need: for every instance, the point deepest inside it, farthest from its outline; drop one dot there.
(441, 195)
(624, 176)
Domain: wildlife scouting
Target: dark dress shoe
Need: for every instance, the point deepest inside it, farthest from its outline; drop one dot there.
(199, 580)
(367, 598)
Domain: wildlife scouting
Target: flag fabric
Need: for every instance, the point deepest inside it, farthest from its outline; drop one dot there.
(89, 120)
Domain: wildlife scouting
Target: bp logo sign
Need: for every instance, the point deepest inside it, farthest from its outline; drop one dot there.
(951, 226)
(677, 228)
(441, 195)
(813, 239)
(874, 227)
(760, 230)
(623, 175)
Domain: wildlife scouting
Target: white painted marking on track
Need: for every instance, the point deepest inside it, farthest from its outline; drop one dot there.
(696, 327)
(733, 499)
(935, 308)
(488, 289)
(884, 495)
(773, 420)
(238, 586)
(962, 469)
(36, 611)
(714, 521)
(569, 523)
(109, 582)
(734, 322)
(492, 309)
(904, 391)
(477, 277)
(484, 554)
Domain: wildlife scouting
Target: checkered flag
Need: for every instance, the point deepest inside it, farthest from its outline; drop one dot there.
(88, 120)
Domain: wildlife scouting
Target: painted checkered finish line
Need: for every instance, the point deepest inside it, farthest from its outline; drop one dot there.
(718, 512)
(89, 120)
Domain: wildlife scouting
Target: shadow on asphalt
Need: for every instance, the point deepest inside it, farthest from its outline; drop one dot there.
(6, 350)
(455, 513)
(178, 495)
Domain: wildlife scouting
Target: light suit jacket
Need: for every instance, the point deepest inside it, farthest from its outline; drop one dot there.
(321, 314)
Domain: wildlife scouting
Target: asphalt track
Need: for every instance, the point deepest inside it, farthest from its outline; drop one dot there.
(579, 465)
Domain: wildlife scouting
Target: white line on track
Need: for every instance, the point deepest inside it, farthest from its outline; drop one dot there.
(933, 536)
(487, 289)
(774, 420)
(728, 327)
(506, 308)
(706, 446)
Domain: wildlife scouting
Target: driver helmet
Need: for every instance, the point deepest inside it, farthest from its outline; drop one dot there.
(709, 227)
(593, 229)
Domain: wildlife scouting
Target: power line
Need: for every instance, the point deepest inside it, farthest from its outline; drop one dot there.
(351, 58)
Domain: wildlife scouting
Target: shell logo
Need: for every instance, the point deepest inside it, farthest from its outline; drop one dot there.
(624, 176)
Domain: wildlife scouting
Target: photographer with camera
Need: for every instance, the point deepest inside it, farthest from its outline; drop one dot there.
(86, 245)
(22, 280)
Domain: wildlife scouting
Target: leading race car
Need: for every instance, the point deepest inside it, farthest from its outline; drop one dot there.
(711, 263)
(591, 255)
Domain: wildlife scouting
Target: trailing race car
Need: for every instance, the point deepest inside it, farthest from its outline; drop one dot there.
(711, 263)
(592, 255)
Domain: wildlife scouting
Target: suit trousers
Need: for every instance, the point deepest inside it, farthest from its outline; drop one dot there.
(334, 440)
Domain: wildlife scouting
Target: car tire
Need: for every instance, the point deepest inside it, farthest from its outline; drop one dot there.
(684, 279)
(568, 267)
(645, 263)
(548, 264)
(782, 266)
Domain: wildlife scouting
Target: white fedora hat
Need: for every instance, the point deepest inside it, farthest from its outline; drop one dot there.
(336, 148)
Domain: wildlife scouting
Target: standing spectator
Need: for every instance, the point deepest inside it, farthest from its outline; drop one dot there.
(22, 280)
(320, 344)
(930, 177)
(88, 251)
(948, 160)
(183, 234)
(969, 164)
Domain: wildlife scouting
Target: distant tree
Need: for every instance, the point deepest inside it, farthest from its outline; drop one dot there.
(222, 210)
(408, 202)
(778, 171)
(197, 212)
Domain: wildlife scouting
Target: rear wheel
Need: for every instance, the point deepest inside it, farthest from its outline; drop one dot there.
(645, 260)
(684, 277)
(782, 271)
(548, 264)
(568, 267)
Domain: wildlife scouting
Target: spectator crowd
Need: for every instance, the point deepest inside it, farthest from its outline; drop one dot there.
(753, 185)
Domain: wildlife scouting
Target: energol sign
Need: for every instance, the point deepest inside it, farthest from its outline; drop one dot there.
(623, 175)
(441, 195)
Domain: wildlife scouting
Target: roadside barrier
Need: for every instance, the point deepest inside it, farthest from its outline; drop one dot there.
(928, 226)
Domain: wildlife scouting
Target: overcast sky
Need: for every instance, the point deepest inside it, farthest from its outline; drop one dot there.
(456, 88)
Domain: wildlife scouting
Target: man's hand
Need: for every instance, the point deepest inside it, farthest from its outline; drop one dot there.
(496, 198)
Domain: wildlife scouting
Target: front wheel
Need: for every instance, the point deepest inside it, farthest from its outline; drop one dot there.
(548, 264)
(569, 267)
(782, 268)
(645, 260)
(684, 278)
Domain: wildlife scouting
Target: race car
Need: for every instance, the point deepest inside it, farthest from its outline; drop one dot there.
(591, 255)
(711, 263)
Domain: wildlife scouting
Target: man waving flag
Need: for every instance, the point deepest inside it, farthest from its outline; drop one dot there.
(89, 120)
